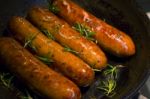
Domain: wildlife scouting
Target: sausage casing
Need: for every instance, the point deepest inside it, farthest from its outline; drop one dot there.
(65, 35)
(108, 37)
(70, 65)
(34, 73)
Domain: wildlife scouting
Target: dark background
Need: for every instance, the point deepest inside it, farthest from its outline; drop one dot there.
(145, 4)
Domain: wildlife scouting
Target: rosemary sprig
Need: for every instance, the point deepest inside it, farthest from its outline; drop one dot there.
(85, 31)
(48, 34)
(108, 86)
(111, 70)
(45, 59)
(53, 8)
(68, 49)
(6, 80)
(28, 42)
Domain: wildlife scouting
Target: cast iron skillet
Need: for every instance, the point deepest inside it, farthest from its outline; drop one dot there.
(123, 14)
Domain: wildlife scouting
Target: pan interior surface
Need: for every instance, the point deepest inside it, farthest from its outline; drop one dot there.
(124, 15)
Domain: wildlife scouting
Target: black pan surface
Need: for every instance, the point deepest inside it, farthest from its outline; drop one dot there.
(126, 15)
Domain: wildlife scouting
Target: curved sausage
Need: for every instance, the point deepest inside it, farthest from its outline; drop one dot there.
(35, 74)
(108, 37)
(65, 35)
(70, 65)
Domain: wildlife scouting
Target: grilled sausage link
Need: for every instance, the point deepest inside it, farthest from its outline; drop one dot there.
(70, 65)
(108, 37)
(35, 74)
(65, 35)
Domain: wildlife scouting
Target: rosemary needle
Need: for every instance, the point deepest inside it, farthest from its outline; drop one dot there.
(53, 8)
(108, 84)
(97, 70)
(27, 96)
(6, 79)
(45, 59)
(68, 49)
(111, 70)
(85, 31)
(108, 87)
(48, 34)
(28, 42)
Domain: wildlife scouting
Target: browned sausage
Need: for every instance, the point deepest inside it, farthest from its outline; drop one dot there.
(65, 35)
(70, 65)
(34, 73)
(108, 37)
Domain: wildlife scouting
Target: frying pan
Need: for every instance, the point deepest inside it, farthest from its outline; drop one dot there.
(126, 15)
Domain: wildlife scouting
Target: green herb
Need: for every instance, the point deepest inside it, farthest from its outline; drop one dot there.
(48, 34)
(108, 87)
(6, 79)
(27, 96)
(108, 84)
(33, 48)
(85, 31)
(28, 42)
(45, 59)
(53, 8)
(97, 70)
(111, 70)
(68, 49)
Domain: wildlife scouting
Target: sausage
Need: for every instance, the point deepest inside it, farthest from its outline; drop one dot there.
(70, 65)
(35, 74)
(109, 38)
(85, 49)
